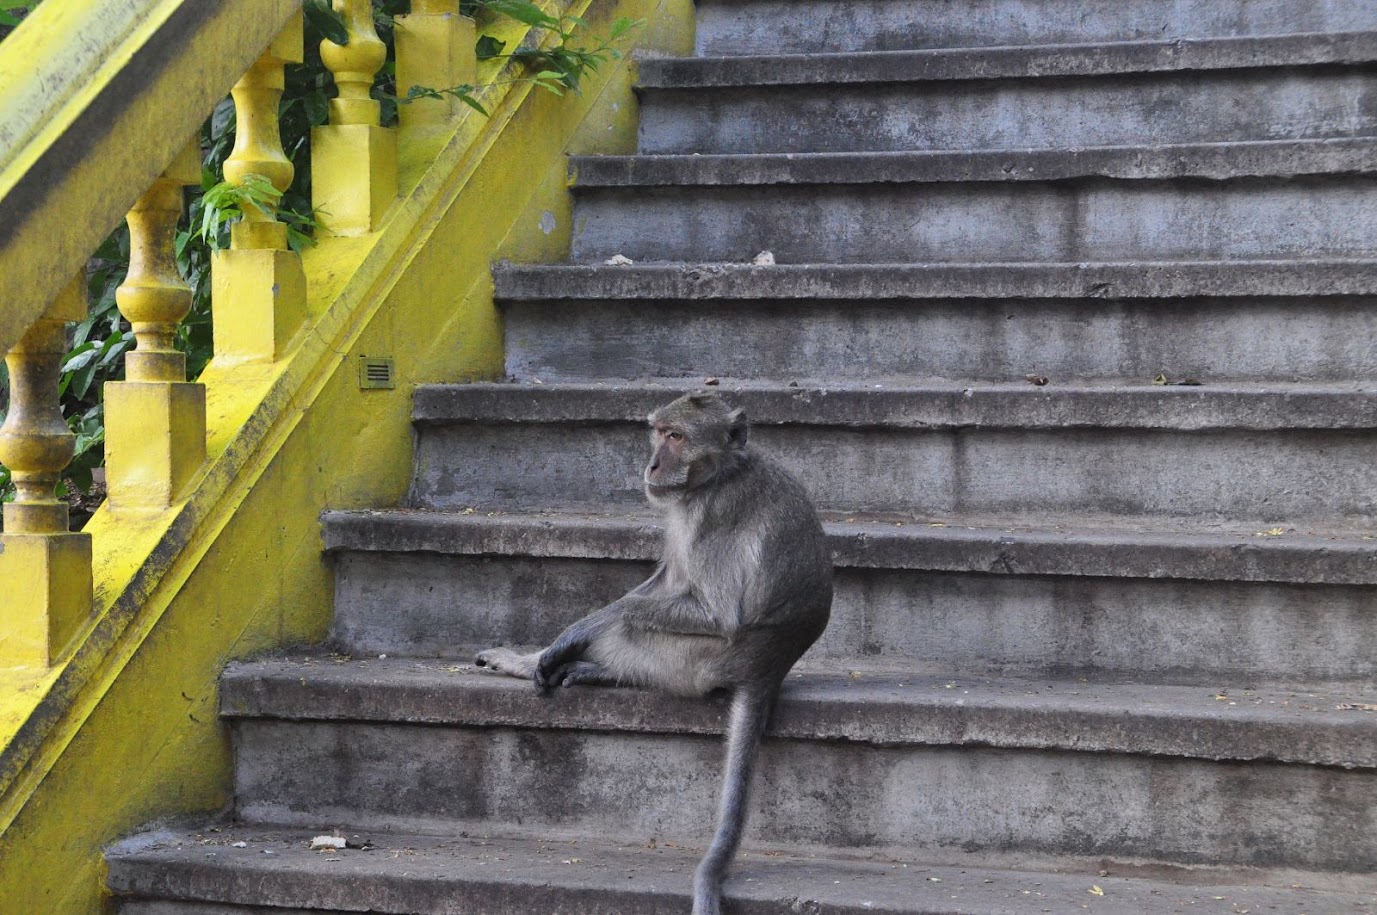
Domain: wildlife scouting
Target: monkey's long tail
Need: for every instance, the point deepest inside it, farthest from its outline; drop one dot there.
(750, 713)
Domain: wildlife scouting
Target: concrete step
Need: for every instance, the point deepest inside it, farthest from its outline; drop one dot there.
(1181, 605)
(1207, 161)
(1213, 322)
(865, 761)
(1150, 92)
(1269, 201)
(767, 27)
(202, 873)
(1283, 454)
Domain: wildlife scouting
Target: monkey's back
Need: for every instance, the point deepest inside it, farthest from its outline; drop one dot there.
(757, 534)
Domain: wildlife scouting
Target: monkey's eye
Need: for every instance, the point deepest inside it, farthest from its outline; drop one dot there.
(674, 436)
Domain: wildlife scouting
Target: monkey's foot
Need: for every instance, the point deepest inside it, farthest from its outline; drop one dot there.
(506, 661)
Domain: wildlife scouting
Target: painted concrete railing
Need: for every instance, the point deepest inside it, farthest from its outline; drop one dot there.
(156, 419)
(209, 546)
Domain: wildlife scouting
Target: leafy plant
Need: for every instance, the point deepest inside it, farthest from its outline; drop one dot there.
(12, 12)
(101, 340)
(223, 203)
(555, 69)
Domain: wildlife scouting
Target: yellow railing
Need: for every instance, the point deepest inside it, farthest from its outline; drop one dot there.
(156, 419)
(208, 546)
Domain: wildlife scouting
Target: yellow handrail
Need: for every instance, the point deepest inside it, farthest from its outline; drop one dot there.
(96, 101)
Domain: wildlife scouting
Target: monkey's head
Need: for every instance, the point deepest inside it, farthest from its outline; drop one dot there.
(693, 440)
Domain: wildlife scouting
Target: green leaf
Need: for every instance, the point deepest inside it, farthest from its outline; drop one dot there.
(473, 103)
(222, 121)
(624, 25)
(522, 11)
(80, 357)
(317, 107)
(321, 16)
(488, 47)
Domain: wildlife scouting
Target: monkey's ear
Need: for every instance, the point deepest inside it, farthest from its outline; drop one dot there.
(737, 432)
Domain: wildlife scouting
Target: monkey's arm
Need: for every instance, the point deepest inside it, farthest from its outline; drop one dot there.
(648, 607)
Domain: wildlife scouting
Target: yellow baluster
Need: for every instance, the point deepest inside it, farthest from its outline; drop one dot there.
(435, 48)
(155, 421)
(45, 571)
(353, 159)
(258, 289)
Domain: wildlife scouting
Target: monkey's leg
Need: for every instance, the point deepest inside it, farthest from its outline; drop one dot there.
(506, 661)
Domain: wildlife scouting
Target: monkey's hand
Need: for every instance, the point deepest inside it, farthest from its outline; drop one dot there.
(552, 661)
(577, 673)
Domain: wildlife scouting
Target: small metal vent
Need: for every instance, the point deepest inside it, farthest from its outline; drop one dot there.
(376, 373)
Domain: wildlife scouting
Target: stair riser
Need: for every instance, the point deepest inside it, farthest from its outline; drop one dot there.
(1213, 633)
(1083, 111)
(1094, 219)
(790, 27)
(641, 786)
(1210, 340)
(151, 907)
(1281, 477)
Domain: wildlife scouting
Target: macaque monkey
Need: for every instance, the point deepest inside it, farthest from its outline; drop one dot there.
(743, 588)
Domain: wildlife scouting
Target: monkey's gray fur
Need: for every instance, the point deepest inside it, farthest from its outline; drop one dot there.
(743, 587)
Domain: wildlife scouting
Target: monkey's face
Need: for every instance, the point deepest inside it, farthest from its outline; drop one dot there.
(671, 460)
(691, 440)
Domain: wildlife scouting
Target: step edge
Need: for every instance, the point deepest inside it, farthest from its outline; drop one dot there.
(1109, 281)
(916, 547)
(1050, 61)
(1331, 157)
(151, 866)
(1184, 407)
(873, 714)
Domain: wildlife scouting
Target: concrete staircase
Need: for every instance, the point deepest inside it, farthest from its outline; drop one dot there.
(1071, 336)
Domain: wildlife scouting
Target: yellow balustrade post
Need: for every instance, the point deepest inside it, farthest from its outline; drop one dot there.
(155, 420)
(258, 289)
(45, 571)
(435, 49)
(353, 159)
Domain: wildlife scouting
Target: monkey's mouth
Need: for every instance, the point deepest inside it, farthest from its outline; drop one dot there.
(661, 489)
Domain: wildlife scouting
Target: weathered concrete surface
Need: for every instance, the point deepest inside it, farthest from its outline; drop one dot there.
(765, 27)
(849, 405)
(1029, 62)
(1165, 629)
(899, 796)
(1191, 279)
(884, 709)
(1128, 548)
(493, 875)
(1212, 161)
(815, 340)
(1189, 107)
(1209, 321)
(1008, 450)
(1175, 608)
(1090, 219)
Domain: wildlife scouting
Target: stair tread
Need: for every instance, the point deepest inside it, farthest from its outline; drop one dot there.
(471, 873)
(868, 282)
(1040, 61)
(1211, 161)
(846, 700)
(905, 404)
(1120, 547)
